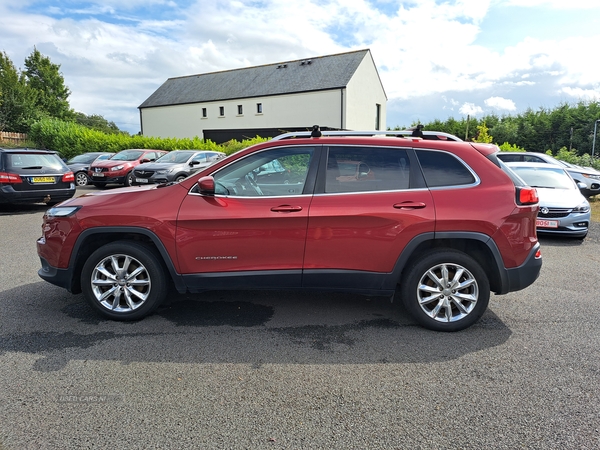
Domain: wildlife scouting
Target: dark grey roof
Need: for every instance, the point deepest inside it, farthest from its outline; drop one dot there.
(303, 75)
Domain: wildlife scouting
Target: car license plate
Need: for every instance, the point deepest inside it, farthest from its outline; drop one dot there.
(141, 180)
(100, 174)
(43, 180)
(546, 223)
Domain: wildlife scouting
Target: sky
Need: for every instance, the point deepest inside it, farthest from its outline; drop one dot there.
(437, 59)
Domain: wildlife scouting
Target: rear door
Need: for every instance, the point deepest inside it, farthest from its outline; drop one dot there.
(361, 220)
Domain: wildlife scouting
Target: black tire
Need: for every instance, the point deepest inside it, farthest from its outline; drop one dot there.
(128, 179)
(115, 296)
(99, 185)
(81, 179)
(451, 308)
(180, 178)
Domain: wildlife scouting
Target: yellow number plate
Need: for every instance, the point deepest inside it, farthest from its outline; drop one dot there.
(43, 180)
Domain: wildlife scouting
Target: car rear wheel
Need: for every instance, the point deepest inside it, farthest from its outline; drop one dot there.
(81, 179)
(446, 290)
(124, 280)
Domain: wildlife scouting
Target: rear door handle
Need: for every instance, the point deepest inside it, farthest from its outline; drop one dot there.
(410, 205)
(286, 208)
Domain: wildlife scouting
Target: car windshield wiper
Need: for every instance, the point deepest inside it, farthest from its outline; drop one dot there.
(544, 187)
(32, 167)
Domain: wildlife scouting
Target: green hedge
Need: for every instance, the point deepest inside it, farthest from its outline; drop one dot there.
(71, 139)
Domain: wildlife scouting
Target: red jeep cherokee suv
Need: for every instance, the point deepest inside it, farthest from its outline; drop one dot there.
(442, 221)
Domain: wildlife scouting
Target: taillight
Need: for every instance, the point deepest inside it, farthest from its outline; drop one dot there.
(68, 177)
(10, 178)
(527, 196)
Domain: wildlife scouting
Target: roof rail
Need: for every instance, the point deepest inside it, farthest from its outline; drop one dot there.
(427, 135)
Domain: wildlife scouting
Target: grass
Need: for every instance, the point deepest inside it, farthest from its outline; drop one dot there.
(595, 204)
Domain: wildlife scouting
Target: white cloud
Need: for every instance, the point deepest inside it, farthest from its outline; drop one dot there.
(470, 109)
(582, 94)
(500, 103)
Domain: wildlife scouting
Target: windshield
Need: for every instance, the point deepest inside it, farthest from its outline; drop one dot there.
(34, 161)
(127, 155)
(82, 159)
(550, 177)
(175, 157)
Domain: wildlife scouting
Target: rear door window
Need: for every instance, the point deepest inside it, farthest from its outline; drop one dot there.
(366, 169)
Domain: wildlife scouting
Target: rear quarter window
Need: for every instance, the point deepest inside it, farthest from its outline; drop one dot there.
(444, 169)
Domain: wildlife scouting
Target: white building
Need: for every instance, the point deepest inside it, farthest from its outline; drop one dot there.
(341, 91)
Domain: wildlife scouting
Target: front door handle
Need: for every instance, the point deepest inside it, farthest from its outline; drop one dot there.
(410, 205)
(286, 208)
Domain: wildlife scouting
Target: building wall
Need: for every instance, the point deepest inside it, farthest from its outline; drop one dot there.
(365, 91)
(291, 110)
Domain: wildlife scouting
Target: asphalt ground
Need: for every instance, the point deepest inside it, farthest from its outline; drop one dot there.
(282, 370)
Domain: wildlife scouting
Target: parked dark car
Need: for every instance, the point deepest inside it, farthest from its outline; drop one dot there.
(416, 227)
(175, 166)
(34, 176)
(119, 168)
(80, 165)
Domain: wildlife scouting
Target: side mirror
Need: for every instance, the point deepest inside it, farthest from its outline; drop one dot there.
(194, 163)
(206, 185)
(145, 160)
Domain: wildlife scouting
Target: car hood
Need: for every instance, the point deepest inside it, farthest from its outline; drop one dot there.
(112, 163)
(78, 166)
(560, 198)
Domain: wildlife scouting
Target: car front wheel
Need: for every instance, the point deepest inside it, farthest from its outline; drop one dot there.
(129, 179)
(124, 280)
(446, 290)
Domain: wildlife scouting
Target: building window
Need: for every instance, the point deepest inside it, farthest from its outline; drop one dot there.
(203, 112)
(259, 108)
(377, 116)
(221, 111)
(240, 110)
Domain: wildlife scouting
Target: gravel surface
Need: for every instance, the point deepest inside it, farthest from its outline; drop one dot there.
(281, 370)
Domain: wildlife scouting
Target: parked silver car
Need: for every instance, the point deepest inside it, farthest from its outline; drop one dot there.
(586, 175)
(174, 166)
(563, 208)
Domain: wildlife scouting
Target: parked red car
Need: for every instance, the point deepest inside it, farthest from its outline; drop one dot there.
(119, 168)
(441, 222)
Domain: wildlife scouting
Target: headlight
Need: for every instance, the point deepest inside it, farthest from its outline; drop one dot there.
(589, 175)
(583, 208)
(114, 169)
(62, 211)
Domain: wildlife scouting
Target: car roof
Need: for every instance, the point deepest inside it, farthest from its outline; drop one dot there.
(532, 164)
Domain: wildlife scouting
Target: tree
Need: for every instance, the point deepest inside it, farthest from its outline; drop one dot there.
(17, 100)
(482, 134)
(96, 122)
(45, 78)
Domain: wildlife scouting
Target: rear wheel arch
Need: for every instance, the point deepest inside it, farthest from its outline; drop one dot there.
(479, 246)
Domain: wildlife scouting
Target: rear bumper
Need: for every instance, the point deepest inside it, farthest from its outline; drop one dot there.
(524, 275)
(9, 195)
